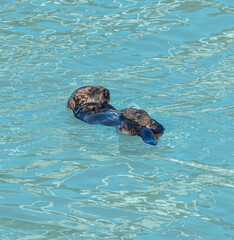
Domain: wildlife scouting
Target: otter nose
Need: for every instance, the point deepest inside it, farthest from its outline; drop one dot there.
(160, 128)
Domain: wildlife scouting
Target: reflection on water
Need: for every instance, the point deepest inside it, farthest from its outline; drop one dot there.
(64, 179)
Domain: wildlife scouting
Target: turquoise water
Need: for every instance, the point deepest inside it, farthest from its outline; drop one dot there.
(64, 179)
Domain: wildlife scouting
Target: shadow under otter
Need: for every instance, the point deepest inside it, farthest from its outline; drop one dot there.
(91, 105)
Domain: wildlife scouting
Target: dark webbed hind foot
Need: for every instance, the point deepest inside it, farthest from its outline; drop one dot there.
(148, 136)
(97, 113)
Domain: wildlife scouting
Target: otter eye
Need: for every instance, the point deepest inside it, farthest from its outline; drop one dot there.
(106, 92)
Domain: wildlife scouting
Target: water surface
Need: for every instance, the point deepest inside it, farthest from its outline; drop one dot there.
(64, 179)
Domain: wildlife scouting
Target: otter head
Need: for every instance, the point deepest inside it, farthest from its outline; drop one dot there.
(88, 94)
(155, 126)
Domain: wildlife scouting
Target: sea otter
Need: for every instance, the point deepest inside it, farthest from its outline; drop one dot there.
(91, 104)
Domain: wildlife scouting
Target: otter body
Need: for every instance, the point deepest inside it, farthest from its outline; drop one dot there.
(91, 104)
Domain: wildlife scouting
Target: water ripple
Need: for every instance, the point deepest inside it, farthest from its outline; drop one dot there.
(61, 178)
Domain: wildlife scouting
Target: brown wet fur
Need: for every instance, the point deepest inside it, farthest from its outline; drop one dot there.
(88, 94)
(129, 129)
(95, 108)
(141, 118)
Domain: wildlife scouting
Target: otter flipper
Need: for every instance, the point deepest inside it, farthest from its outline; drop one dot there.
(105, 118)
(148, 136)
(96, 113)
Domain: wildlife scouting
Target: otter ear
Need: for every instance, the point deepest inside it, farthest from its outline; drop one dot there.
(148, 136)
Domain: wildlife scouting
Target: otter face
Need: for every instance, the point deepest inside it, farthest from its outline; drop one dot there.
(88, 94)
(156, 127)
